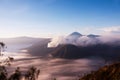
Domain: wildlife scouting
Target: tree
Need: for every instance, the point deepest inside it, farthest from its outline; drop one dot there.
(2, 46)
(31, 74)
(6, 61)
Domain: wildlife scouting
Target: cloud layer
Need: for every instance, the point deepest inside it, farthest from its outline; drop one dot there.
(111, 30)
(86, 40)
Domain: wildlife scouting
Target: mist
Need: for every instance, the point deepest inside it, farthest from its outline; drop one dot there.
(85, 40)
(62, 69)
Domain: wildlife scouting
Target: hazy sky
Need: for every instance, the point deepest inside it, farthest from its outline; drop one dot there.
(45, 18)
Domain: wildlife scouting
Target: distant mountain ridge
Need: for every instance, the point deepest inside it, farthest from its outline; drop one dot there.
(80, 35)
(92, 35)
(69, 51)
(39, 47)
(18, 43)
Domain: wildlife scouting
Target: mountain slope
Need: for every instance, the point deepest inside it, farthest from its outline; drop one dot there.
(75, 34)
(93, 36)
(111, 72)
(40, 48)
(66, 51)
(74, 52)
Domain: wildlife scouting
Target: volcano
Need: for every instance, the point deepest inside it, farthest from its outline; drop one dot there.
(104, 51)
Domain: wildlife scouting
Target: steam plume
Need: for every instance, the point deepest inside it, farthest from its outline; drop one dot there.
(85, 40)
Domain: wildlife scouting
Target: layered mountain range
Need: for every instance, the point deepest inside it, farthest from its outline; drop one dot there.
(69, 49)
(73, 46)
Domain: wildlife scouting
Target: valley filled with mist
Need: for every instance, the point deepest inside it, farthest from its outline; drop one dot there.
(64, 58)
(59, 39)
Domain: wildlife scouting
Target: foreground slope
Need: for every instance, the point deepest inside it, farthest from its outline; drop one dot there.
(111, 72)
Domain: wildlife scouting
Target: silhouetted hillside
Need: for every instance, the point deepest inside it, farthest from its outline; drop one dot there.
(100, 50)
(111, 72)
(40, 48)
(67, 51)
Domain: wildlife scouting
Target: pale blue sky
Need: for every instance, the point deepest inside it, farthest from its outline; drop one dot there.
(46, 18)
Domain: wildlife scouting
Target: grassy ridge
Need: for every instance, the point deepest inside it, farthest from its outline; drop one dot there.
(111, 72)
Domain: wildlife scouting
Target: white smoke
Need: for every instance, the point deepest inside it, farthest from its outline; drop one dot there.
(85, 40)
(56, 41)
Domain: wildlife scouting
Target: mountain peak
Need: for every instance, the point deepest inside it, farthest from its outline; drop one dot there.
(75, 34)
(92, 35)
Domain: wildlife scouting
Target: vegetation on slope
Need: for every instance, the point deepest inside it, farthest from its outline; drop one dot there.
(31, 74)
(111, 72)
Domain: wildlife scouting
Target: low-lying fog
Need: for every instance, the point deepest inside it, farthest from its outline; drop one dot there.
(62, 69)
(16, 48)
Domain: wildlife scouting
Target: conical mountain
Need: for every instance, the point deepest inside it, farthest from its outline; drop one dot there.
(75, 34)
